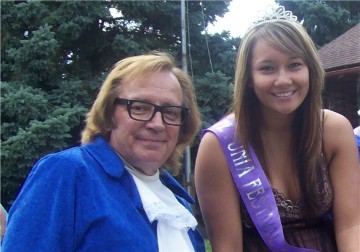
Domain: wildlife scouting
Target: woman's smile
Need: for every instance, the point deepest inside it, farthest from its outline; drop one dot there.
(284, 94)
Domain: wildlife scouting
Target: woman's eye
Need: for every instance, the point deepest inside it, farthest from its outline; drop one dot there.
(266, 68)
(295, 64)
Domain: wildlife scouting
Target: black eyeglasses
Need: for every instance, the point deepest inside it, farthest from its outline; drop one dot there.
(145, 111)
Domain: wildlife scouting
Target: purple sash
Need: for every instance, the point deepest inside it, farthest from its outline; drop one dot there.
(254, 188)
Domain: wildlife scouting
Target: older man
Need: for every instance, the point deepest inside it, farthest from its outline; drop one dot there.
(113, 192)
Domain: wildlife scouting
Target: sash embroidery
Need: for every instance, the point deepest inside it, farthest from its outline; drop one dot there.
(253, 187)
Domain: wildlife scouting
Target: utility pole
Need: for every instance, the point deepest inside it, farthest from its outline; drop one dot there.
(183, 36)
(184, 68)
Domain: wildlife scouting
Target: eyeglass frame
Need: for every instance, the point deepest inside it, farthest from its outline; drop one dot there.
(157, 108)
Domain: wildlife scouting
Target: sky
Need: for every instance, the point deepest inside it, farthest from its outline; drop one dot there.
(241, 14)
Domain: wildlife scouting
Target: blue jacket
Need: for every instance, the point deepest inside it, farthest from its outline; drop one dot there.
(82, 199)
(358, 143)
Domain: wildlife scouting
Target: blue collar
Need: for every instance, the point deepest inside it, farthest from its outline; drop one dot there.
(103, 153)
(110, 161)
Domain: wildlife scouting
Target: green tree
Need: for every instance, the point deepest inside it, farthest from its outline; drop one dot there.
(325, 20)
(214, 96)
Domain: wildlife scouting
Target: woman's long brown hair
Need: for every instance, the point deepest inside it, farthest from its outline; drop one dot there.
(290, 38)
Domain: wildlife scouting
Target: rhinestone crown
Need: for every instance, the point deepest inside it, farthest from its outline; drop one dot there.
(272, 14)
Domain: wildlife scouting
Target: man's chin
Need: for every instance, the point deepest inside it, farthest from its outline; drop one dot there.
(151, 159)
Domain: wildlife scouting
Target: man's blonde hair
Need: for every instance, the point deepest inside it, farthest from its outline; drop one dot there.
(99, 120)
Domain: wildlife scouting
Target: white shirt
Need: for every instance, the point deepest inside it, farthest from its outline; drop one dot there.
(160, 204)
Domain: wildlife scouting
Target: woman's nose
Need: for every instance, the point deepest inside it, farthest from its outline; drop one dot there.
(283, 78)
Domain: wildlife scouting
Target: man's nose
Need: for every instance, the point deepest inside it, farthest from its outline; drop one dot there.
(157, 121)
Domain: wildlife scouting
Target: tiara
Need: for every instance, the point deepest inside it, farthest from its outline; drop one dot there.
(272, 14)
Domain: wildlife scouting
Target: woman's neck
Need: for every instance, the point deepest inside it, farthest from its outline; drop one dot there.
(276, 122)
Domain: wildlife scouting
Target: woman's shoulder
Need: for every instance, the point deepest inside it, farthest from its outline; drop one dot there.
(334, 120)
(210, 144)
(338, 131)
(335, 125)
(210, 159)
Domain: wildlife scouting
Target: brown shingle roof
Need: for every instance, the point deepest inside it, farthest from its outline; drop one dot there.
(342, 51)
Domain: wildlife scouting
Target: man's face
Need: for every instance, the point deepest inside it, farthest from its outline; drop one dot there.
(146, 145)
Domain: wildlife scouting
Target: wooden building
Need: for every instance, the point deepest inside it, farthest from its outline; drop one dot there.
(341, 61)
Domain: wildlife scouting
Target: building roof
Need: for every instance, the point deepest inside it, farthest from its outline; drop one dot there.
(342, 52)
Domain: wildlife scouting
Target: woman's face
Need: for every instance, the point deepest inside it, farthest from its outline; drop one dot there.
(146, 145)
(280, 81)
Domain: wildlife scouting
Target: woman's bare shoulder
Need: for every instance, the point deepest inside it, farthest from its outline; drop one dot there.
(210, 151)
(338, 132)
(334, 120)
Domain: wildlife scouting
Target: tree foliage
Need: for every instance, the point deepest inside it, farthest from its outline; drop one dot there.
(325, 20)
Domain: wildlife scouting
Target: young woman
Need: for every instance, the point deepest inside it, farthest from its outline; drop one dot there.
(308, 154)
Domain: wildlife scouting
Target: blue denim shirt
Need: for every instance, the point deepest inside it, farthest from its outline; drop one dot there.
(82, 199)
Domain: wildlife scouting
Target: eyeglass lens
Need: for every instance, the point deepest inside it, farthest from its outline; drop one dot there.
(145, 111)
